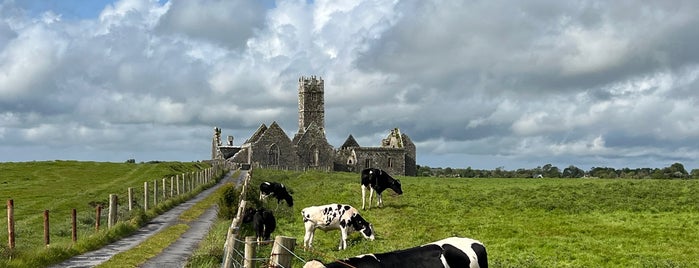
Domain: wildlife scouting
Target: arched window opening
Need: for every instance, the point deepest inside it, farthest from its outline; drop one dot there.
(273, 155)
(313, 156)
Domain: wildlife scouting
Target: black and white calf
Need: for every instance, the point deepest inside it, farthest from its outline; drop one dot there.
(334, 217)
(377, 180)
(449, 252)
(277, 190)
(263, 222)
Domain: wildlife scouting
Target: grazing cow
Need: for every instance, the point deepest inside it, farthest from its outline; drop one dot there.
(334, 217)
(377, 180)
(277, 190)
(449, 252)
(263, 222)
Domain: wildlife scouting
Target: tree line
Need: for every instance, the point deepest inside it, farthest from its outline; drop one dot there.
(674, 171)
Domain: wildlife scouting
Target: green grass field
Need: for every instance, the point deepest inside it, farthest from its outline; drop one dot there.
(522, 222)
(60, 186)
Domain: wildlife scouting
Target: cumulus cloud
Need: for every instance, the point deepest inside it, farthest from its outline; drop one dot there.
(484, 84)
(225, 23)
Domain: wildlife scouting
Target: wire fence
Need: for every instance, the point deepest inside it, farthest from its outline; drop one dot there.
(246, 251)
(131, 201)
(281, 254)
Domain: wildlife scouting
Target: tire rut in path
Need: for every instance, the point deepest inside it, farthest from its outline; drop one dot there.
(176, 254)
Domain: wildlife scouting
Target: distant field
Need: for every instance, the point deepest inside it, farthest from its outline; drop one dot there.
(60, 186)
(522, 222)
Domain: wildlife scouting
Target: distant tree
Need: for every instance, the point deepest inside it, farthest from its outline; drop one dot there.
(572, 172)
(551, 171)
(694, 174)
(675, 170)
(603, 172)
(131, 161)
(468, 173)
(522, 173)
(499, 172)
(424, 171)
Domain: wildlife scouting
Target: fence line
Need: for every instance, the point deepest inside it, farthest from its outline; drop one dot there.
(282, 252)
(195, 179)
(234, 229)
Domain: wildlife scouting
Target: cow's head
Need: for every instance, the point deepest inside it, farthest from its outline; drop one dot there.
(396, 187)
(363, 226)
(248, 214)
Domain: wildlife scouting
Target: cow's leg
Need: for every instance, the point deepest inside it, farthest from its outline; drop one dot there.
(371, 195)
(364, 196)
(343, 238)
(379, 200)
(308, 237)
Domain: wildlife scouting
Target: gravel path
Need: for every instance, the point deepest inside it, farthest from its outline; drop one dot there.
(175, 255)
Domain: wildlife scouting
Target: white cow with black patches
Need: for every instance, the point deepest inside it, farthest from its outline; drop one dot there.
(334, 217)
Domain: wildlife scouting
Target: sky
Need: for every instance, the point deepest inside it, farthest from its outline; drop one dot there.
(481, 84)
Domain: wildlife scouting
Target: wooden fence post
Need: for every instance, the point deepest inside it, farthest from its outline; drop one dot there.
(111, 220)
(177, 181)
(184, 183)
(281, 251)
(145, 196)
(74, 224)
(130, 198)
(164, 194)
(155, 193)
(11, 223)
(98, 217)
(250, 245)
(47, 238)
(231, 237)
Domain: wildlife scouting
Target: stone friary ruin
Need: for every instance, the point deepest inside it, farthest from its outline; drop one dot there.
(270, 147)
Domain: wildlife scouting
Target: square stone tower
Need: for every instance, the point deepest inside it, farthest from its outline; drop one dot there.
(311, 103)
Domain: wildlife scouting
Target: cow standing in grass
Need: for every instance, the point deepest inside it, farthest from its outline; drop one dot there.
(263, 222)
(449, 252)
(334, 217)
(377, 180)
(277, 190)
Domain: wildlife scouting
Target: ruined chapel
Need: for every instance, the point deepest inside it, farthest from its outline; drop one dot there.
(271, 147)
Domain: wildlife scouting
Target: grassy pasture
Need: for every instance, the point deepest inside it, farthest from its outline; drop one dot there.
(60, 186)
(522, 222)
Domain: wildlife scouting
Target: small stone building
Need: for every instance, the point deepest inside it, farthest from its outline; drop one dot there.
(271, 147)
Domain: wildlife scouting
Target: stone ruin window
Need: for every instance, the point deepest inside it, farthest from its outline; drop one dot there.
(390, 162)
(313, 155)
(367, 163)
(273, 155)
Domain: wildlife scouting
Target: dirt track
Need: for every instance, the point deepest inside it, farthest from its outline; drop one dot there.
(176, 254)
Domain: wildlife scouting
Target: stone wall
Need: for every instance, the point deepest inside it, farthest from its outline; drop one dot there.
(391, 160)
(313, 149)
(272, 141)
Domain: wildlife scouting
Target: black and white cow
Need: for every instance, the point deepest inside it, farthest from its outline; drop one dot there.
(277, 190)
(334, 217)
(263, 222)
(377, 180)
(449, 252)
